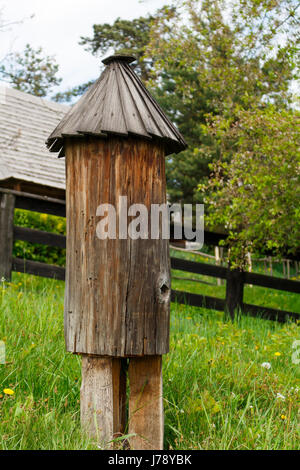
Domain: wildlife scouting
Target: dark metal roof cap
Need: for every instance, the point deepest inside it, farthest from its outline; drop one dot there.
(119, 57)
(117, 104)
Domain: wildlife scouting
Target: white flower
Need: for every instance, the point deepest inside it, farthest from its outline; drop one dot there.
(281, 397)
(266, 365)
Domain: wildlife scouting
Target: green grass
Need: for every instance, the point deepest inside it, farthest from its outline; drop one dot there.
(216, 394)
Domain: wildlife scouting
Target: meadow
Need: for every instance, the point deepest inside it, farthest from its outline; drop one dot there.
(226, 385)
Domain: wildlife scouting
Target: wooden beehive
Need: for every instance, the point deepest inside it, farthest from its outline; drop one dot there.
(115, 140)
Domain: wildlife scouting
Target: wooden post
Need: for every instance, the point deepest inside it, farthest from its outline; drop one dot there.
(288, 268)
(117, 298)
(103, 398)
(234, 291)
(271, 266)
(7, 207)
(283, 268)
(146, 403)
(249, 258)
(218, 263)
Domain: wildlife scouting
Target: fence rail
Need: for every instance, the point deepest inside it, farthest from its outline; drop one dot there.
(235, 280)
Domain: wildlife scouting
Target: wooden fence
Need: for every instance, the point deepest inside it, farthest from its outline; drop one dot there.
(11, 200)
(235, 280)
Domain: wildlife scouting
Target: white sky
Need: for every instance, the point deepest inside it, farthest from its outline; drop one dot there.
(58, 25)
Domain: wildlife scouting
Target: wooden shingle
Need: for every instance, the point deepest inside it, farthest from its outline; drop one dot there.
(117, 103)
(25, 123)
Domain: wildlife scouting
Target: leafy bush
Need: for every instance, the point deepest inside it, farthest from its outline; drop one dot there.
(35, 251)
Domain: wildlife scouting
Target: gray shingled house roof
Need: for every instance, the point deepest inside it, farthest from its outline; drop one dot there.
(117, 103)
(25, 123)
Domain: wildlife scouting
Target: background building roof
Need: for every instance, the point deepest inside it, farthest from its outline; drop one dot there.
(25, 124)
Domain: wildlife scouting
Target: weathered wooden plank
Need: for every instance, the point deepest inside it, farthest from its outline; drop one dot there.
(7, 205)
(113, 119)
(40, 205)
(146, 419)
(33, 196)
(197, 300)
(130, 313)
(119, 374)
(198, 268)
(272, 282)
(103, 398)
(38, 269)
(214, 303)
(39, 236)
(249, 278)
(96, 398)
(269, 313)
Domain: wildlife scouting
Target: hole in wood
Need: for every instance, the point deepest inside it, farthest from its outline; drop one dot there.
(164, 293)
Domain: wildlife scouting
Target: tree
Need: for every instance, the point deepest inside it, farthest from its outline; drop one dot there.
(30, 71)
(126, 37)
(255, 196)
(214, 58)
(123, 37)
(69, 95)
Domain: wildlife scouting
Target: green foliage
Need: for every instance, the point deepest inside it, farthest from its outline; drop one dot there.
(31, 71)
(126, 37)
(256, 196)
(205, 59)
(216, 393)
(69, 95)
(213, 59)
(34, 251)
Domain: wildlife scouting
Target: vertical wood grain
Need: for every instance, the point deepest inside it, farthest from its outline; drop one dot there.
(103, 398)
(146, 403)
(117, 297)
(96, 398)
(7, 207)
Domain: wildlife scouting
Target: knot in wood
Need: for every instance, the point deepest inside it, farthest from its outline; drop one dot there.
(163, 291)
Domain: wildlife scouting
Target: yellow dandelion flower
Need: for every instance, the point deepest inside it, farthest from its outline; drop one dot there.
(283, 417)
(188, 318)
(277, 354)
(8, 391)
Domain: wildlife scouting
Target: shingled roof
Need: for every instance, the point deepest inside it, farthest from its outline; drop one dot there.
(25, 123)
(117, 103)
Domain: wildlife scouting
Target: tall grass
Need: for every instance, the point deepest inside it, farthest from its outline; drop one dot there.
(216, 393)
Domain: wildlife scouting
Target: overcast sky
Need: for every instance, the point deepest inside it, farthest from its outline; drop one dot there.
(58, 25)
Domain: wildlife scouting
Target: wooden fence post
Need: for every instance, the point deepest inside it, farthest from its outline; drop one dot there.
(218, 262)
(118, 288)
(7, 207)
(234, 291)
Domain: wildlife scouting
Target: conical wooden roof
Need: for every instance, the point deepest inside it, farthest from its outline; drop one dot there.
(117, 103)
